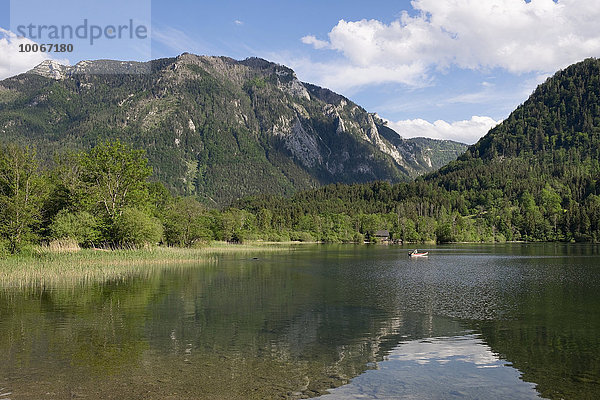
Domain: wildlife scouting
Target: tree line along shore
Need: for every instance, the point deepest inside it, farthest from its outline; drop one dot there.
(104, 198)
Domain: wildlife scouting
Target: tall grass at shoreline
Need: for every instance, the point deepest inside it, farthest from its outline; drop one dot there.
(45, 266)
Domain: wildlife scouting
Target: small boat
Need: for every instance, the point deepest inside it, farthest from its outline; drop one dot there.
(415, 253)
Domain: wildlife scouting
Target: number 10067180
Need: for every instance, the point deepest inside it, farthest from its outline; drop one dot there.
(45, 48)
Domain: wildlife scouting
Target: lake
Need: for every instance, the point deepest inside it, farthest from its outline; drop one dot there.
(514, 321)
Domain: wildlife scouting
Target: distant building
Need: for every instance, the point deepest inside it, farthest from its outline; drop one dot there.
(382, 236)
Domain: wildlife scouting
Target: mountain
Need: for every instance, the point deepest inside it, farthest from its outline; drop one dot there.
(551, 140)
(437, 153)
(535, 176)
(213, 127)
(543, 161)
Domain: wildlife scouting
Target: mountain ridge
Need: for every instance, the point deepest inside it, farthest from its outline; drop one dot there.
(534, 177)
(210, 125)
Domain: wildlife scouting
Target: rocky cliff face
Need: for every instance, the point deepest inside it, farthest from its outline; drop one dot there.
(212, 126)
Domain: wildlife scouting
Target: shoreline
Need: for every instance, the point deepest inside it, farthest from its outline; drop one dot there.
(43, 267)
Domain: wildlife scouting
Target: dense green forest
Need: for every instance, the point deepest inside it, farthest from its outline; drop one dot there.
(213, 127)
(103, 197)
(534, 177)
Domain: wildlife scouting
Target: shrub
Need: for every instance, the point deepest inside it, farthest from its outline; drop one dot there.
(358, 238)
(302, 236)
(4, 248)
(330, 237)
(278, 237)
(135, 228)
(81, 227)
(186, 223)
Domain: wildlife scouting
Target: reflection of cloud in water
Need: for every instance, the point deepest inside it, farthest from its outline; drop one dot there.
(444, 350)
(439, 368)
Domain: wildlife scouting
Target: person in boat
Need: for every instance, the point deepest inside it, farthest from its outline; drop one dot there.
(415, 251)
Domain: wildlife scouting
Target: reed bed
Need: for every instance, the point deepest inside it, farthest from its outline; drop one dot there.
(67, 264)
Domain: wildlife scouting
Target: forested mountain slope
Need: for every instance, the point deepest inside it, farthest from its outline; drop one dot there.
(212, 127)
(544, 158)
(536, 176)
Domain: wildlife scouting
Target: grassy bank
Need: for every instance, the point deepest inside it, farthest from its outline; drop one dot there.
(45, 266)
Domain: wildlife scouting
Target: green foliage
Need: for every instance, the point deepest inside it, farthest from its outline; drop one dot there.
(535, 177)
(236, 224)
(209, 134)
(135, 228)
(358, 238)
(81, 227)
(187, 223)
(255, 83)
(114, 177)
(22, 191)
(90, 191)
(302, 236)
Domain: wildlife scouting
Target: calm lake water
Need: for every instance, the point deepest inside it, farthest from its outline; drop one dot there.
(511, 321)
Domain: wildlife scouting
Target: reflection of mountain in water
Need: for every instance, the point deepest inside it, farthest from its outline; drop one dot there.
(278, 330)
(552, 336)
(238, 329)
(295, 326)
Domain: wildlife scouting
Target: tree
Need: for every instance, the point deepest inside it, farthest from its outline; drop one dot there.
(263, 219)
(235, 224)
(370, 223)
(532, 217)
(135, 228)
(114, 177)
(186, 223)
(551, 202)
(68, 189)
(81, 227)
(21, 193)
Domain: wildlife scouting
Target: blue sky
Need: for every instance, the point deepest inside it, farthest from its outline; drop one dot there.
(447, 69)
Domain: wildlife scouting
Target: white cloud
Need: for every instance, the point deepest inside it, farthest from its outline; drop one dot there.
(238, 22)
(344, 77)
(468, 131)
(518, 36)
(175, 39)
(316, 43)
(14, 62)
